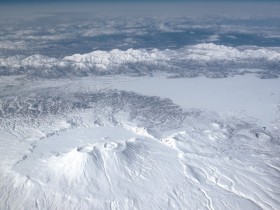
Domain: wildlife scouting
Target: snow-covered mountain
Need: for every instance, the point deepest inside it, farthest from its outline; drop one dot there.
(178, 108)
(185, 61)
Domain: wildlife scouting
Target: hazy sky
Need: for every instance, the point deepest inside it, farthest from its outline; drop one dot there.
(78, 1)
(10, 9)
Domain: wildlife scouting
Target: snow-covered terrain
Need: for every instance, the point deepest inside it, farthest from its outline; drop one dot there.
(121, 150)
(246, 95)
(165, 112)
(202, 59)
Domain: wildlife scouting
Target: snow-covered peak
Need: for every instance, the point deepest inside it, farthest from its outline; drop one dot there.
(115, 56)
(178, 61)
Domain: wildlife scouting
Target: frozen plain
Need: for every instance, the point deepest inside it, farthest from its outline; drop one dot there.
(139, 124)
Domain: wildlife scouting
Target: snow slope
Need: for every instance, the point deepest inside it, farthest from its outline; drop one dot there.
(112, 149)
